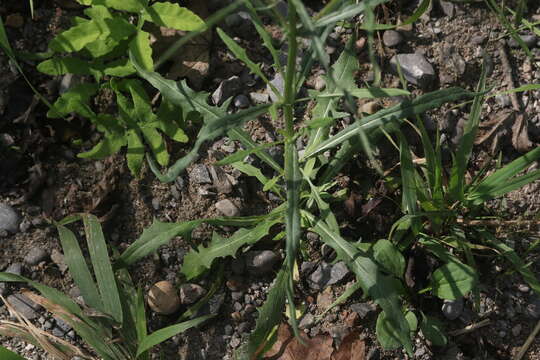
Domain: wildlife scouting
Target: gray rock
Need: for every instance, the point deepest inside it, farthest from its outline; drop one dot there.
(9, 219)
(226, 89)
(62, 325)
(478, 39)
(15, 268)
(56, 331)
(307, 321)
(243, 327)
(241, 101)
(259, 98)
(533, 308)
(236, 295)
(452, 309)
(319, 83)
(3, 289)
(191, 293)
(339, 272)
(416, 69)
(35, 256)
(156, 204)
(363, 309)
(212, 306)
(237, 306)
(200, 175)
(503, 100)
(529, 40)
(25, 226)
(307, 267)
(261, 262)
(58, 258)
(24, 306)
(279, 84)
(447, 7)
(227, 208)
(228, 330)
(392, 38)
(523, 288)
(516, 330)
(326, 274)
(220, 180)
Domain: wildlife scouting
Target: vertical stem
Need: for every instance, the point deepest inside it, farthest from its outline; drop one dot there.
(290, 74)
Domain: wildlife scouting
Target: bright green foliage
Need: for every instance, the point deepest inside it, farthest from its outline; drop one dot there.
(8, 355)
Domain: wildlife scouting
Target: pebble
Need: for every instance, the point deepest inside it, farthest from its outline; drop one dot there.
(452, 309)
(236, 295)
(61, 324)
(392, 38)
(503, 100)
(326, 274)
(516, 330)
(241, 101)
(243, 327)
(156, 204)
(24, 306)
(227, 208)
(56, 331)
(447, 8)
(259, 98)
(191, 293)
(226, 89)
(162, 298)
(35, 256)
(9, 219)
(416, 69)
(523, 288)
(370, 107)
(363, 309)
(199, 175)
(15, 268)
(228, 330)
(279, 84)
(325, 299)
(58, 258)
(529, 40)
(261, 262)
(533, 308)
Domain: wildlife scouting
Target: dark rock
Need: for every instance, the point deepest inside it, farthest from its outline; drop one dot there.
(220, 180)
(56, 331)
(338, 273)
(24, 306)
(228, 330)
(327, 274)
(199, 175)
(191, 293)
(9, 219)
(279, 84)
(226, 89)
(261, 262)
(363, 309)
(416, 69)
(62, 325)
(212, 306)
(503, 100)
(529, 40)
(15, 268)
(452, 309)
(533, 308)
(35, 256)
(241, 101)
(3, 289)
(307, 267)
(373, 354)
(243, 327)
(392, 38)
(227, 208)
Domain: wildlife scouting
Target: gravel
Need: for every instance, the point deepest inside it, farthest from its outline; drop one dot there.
(15, 268)
(9, 219)
(241, 101)
(326, 274)
(35, 256)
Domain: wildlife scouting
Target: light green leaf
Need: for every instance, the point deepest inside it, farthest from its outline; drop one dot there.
(173, 16)
(135, 152)
(386, 254)
(122, 5)
(5, 354)
(67, 65)
(156, 143)
(140, 47)
(408, 178)
(119, 68)
(453, 280)
(200, 259)
(106, 147)
(76, 37)
(75, 100)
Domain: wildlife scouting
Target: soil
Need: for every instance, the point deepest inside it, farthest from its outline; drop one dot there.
(41, 177)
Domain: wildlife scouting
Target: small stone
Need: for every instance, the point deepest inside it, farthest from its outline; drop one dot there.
(226, 89)
(370, 107)
(516, 330)
(9, 219)
(241, 101)
(62, 325)
(235, 342)
(529, 40)
(533, 308)
(279, 84)
(320, 278)
(447, 8)
(24, 306)
(339, 272)
(250, 309)
(58, 258)
(307, 321)
(56, 331)
(227, 208)
(25, 226)
(15, 268)
(15, 21)
(523, 288)
(243, 327)
(228, 330)
(237, 295)
(47, 325)
(478, 39)
(452, 309)
(162, 298)
(35, 256)
(71, 334)
(3, 288)
(261, 262)
(325, 299)
(363, 309)
(416, 69)
(191, 293)
(392, 38)
(503, 100)
(156, 204)
(199, 175)
(220, 180)
(319, 83)
(259, 98)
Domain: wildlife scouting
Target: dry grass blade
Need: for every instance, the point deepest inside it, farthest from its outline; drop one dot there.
(25, 329)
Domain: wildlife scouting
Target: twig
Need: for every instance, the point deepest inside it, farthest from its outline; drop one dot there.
(507, 70)
(528, 342)
(470, 328)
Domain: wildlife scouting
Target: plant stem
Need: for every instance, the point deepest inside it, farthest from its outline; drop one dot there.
(290, 93)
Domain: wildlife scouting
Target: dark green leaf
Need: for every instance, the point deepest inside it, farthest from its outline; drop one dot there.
(453, 280)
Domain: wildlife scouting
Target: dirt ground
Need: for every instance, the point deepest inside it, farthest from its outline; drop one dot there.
(44, 181)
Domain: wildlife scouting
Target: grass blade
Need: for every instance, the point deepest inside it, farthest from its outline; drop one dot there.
(5, 354)
(408, 178)
(102, 267)
(245, 139)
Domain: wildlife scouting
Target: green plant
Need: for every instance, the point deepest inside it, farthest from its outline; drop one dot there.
(9, 355)
(113, 320)
(98, 46)
(307, 181)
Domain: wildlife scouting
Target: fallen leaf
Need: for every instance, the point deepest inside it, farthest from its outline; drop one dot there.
(352, 348)
(520, 136)
(488, 128)
(288, 347)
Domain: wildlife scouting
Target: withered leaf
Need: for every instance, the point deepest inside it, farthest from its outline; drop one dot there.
(352, 348)
(288, 347)
(520, 136)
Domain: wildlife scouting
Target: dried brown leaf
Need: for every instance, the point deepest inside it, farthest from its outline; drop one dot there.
(520, 136)
(352, 348)
(288, 347)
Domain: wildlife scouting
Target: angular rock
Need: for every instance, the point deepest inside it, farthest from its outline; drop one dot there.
(327, 274)
(15, 268)
(199, 175)
(279, 84)
(220, 180)
(191, 293)
(339, 272)
(58, 258)
(259, 98)
(448, 8)
(9, 219)
(452, 309)
(226, 89)
(392, 38)
(261, 262)
(363, 309)
(35, 256)
(24, 306)
(415, 68)
(227, 208)
(162, 298)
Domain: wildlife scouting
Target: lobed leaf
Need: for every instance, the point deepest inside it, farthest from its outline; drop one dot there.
(172, 16)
